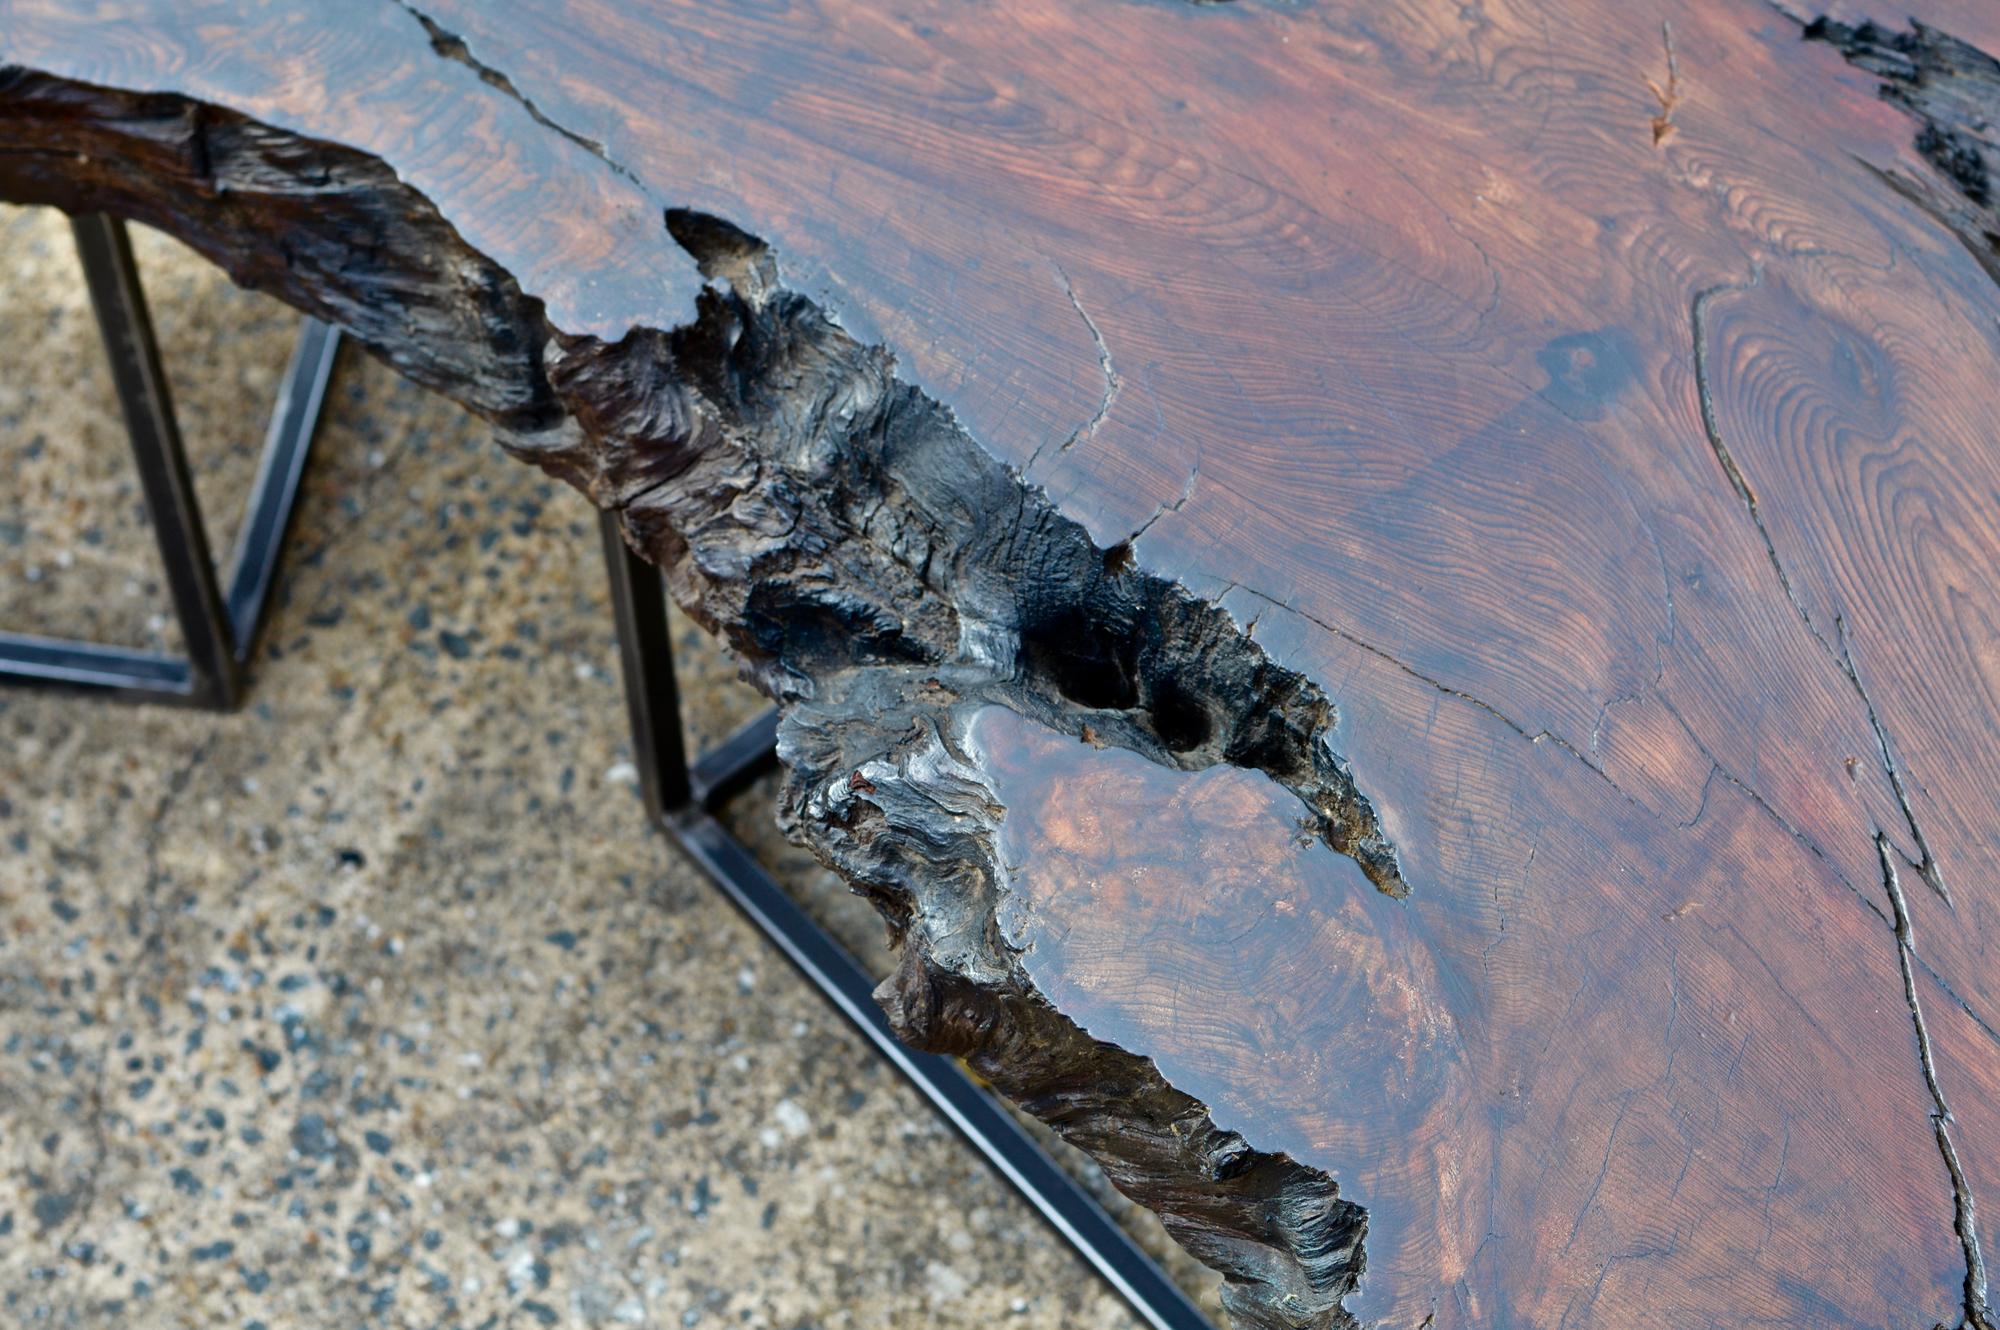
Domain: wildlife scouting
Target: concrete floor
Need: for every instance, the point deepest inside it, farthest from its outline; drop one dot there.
(374, 1003)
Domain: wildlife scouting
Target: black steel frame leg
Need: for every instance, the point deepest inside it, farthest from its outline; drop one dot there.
(682, 798)
(127, 329)
(218, 626)
(645, 662)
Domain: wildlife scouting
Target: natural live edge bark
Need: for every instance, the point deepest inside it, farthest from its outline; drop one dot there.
(1952, 90)
(877, 571)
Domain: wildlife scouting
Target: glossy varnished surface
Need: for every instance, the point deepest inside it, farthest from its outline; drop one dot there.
(1563, 389)
(1189, 913)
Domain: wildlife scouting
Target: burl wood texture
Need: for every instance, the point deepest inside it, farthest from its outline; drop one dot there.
(1596, 400)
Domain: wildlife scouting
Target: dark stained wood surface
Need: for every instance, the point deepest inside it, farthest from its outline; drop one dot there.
(1595, 401)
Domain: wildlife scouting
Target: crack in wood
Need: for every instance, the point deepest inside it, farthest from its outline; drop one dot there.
(1965, 1216)
(1669, 95)
(453, 47)
(1112, 383)
(1172, 506)
(1841, 655)
(1927, 866)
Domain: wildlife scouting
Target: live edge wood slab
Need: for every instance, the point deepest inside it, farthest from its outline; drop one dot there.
(1399, 601)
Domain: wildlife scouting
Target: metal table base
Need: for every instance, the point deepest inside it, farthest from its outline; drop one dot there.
(218, 623)
(682, 798)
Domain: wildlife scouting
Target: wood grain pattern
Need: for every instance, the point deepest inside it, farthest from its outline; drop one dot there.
(1580, 416)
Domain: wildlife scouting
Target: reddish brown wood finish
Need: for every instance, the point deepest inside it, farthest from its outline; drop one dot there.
(1564, 388)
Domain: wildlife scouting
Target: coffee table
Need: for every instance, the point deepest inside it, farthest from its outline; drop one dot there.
(1396, 603)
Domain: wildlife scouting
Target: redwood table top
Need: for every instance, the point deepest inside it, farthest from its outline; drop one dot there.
(1399, 601)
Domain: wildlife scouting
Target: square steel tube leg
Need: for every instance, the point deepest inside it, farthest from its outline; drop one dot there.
(646, 661)
(120, 304)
